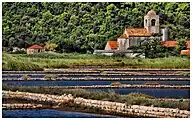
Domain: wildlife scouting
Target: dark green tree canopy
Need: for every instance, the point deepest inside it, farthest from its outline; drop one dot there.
(78, 27)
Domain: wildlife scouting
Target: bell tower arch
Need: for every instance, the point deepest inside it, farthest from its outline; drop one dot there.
(151, 22)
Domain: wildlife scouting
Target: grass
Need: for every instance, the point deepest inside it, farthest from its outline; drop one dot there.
(184, 73)
(15, 64)
(69, 60)
(130, 99)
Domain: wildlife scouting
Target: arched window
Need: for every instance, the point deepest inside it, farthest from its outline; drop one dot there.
(153, 22)
(146, 22)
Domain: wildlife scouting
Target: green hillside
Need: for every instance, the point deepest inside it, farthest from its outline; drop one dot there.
(78, 27)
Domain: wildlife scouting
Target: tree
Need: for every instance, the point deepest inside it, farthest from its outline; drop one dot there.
(70, 24)
(151, 48)
(50, 46)
(181, 45)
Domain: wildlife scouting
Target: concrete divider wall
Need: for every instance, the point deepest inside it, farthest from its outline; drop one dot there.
(121, 108)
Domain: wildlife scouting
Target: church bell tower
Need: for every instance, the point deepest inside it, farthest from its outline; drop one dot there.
(151, 22)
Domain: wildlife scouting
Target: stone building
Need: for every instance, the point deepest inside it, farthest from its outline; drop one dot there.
(132, 36)
(35, 49)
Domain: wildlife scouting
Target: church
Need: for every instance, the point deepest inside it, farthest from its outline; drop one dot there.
(132, 37)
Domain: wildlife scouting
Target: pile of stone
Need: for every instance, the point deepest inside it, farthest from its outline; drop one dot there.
(55, 99)
(122, 86)
(110, 107)
(136, 110)
(21, 106)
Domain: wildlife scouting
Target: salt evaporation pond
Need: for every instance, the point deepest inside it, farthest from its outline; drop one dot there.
(158, 93)
(86, 83)
(49, 113)
(110, 76)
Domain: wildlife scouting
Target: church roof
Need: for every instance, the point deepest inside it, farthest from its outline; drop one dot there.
(123, 36)
(138, 32)
(151, 13)
(113, 44)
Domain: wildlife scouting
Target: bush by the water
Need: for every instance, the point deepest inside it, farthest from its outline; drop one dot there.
(50, 77)
(151, 83)
(116, 84)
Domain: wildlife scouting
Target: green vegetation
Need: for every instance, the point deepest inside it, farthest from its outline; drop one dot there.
(26, 77)
(55, 60)
(153, 48)
(183, 73)
(130, 99)
(50, 76)
(13, 63)
(82, 27)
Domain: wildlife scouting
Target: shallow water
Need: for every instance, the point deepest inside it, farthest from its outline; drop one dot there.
(86, 83)
(49, 113)
(110, 76)
(158, 93)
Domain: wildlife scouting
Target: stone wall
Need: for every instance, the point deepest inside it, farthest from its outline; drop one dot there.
(101, 78)
(124, 86)
(111, 107)
(21, 106)
(39, 97)
(137, 110)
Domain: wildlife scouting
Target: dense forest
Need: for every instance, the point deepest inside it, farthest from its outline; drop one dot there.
(78, 27)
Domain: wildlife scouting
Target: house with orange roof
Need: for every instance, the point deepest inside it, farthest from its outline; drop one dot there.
(35, 49)
(187, 51)
(169, 43)
(111, 45)
(173, 44)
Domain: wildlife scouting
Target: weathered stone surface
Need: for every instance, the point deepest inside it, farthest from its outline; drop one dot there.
(121, 108)
(21, 106)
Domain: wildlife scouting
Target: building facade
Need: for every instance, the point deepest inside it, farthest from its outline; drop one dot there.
(133, 36)
(35, 49)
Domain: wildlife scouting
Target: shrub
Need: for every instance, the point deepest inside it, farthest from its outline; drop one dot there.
(50, 77)
(151, 83)
(139, 95)
(116, 84)
(25, 77)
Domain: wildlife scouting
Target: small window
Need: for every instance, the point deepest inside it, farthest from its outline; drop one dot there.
(145, 22)
(153, 22)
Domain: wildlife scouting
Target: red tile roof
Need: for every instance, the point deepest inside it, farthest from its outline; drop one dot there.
(188, 44)
(185, 52)
(169, 43)
(35, 47)
(138, 32)
(113, 44)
